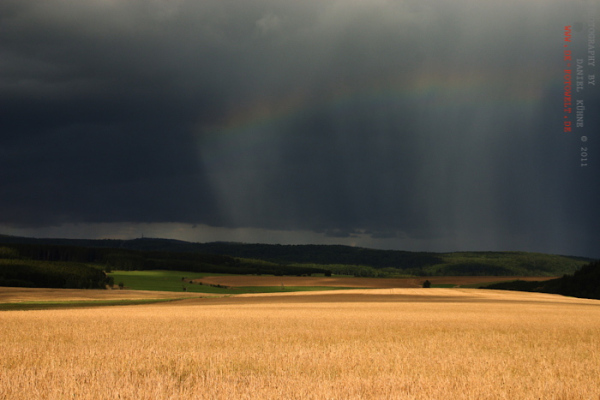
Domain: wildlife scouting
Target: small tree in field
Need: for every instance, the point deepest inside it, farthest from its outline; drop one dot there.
(427, 284)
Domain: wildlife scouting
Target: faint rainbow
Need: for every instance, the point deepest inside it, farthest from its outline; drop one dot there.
(467, 88)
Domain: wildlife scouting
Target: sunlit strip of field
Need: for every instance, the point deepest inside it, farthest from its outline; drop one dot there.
(14, 295)
(251, 280)
(373, 344)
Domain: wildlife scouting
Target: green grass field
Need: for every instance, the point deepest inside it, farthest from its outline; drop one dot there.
(171, 281)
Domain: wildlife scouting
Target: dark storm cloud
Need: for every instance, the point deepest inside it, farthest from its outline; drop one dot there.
(97, 109)
(394, 119)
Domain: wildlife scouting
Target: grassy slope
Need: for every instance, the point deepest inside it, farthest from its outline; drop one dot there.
(471, 264)
(505, 263)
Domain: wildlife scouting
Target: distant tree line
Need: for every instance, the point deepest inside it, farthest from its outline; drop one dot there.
(475, 269)
(366, 271)
(325, 254)
(201, 262)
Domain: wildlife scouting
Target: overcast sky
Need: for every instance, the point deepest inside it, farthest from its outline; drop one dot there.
(415, 125)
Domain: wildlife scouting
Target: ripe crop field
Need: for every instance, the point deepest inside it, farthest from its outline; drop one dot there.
(350, 344)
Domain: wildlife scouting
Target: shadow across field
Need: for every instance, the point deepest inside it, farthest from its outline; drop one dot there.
(402, 295)
(44, 299)
(55, 305)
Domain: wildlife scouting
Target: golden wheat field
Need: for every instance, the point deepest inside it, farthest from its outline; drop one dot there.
(360, 344)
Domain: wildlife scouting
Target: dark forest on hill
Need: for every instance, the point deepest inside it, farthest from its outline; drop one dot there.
(583, 283)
